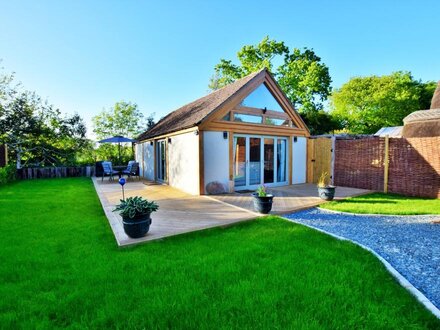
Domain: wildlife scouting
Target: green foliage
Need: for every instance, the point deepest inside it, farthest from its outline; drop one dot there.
(365, 104)
(7, 174)
(321, 122)
(301, 74)
(36, 132)
(261, 191)
(136, 206)
(61, 268)
(123, 119)
(379, 203)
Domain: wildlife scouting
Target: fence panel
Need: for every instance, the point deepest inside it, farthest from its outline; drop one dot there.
(55, 172)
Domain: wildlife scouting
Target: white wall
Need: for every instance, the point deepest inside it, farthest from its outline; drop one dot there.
(148, 152)
(183, 162)
(216, 158)
(299, 160)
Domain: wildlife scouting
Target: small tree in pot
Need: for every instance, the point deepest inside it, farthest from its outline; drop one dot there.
(135, 213)
(262, 200)
(325, 190)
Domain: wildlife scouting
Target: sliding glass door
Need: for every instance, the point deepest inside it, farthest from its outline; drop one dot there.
(161, 161)
(259, 160)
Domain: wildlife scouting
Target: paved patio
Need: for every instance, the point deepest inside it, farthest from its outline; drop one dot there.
(181, 213)
(289, 198)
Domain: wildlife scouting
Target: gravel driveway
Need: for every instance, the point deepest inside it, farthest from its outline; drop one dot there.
(411, 244)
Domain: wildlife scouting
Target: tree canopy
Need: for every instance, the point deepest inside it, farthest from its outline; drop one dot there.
(365, 104)
(300, 73)
(124, 119)
(34, 130)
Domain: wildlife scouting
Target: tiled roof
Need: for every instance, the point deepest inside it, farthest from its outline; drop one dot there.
(193, 113)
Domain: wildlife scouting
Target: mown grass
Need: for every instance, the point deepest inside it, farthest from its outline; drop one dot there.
(60, 267)
(379, 203)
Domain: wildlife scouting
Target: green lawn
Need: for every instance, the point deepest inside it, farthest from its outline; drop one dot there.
(60, 267)
(379, 203)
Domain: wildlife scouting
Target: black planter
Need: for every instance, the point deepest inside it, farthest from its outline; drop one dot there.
(327, 193)
(262, 204)
(137, 227)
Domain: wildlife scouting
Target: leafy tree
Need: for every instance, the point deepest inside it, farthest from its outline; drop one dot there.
(300, 73)
(35, 131)
(365, 104)
(124, 119)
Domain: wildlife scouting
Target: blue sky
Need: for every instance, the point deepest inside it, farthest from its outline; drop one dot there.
(86, 55)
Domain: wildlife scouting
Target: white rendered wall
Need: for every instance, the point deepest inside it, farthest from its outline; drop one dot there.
(138, 156)
(216, 158)
(183, 162)
(299, 160)
(148, 171)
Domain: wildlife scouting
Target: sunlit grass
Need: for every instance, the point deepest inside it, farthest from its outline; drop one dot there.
(60, 267)
(379, 203)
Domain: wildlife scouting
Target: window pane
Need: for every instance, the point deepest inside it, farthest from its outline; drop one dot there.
(254, 161)
(262, 98)
(281, 160)
(268, 160)
(240, 161)
(240, 117)
(277, 121)
(227, 117)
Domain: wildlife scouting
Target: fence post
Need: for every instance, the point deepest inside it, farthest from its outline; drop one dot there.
(332, 164)
(386, 164)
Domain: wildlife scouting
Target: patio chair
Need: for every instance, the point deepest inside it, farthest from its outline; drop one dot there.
(107, 170)
(132, 169)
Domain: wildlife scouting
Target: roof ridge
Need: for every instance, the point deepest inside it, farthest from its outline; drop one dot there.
(199, 108)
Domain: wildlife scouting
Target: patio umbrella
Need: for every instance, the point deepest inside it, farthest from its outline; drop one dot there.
(117, 139)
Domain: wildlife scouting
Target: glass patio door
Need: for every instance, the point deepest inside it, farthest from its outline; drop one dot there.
(259, 160)
(161, 161)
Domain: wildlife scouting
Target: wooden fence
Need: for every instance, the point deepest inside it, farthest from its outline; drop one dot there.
(55, 172)
(404, 166)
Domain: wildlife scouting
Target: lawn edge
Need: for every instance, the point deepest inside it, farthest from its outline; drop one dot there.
(399, 277)
(379, 214)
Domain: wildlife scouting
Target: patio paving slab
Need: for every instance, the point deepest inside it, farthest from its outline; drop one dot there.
(289, 198)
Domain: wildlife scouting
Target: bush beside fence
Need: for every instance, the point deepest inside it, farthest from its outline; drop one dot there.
(55, 172)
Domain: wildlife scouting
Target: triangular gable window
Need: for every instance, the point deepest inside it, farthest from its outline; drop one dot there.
(262, 98)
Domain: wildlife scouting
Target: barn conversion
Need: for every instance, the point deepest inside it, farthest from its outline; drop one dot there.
(238, 137)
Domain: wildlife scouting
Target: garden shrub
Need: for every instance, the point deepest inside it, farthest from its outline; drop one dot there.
(7, 174)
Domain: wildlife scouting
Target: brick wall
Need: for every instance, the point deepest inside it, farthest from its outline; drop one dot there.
(414, 165)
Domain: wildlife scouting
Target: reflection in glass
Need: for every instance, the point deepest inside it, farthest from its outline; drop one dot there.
(240, 161)
(281, 160)
(277, 121)
(262, 98)
(254, 161)
(268, 160)
(240, 117)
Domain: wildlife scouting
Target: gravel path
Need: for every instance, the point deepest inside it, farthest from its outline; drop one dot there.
(411, 244)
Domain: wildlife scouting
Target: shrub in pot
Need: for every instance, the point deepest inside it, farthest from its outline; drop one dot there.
(135, 213)
(325, 190)
(262, 200)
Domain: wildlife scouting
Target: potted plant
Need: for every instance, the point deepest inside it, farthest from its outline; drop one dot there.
(325, 190)
(262, 200)
(135, 213)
